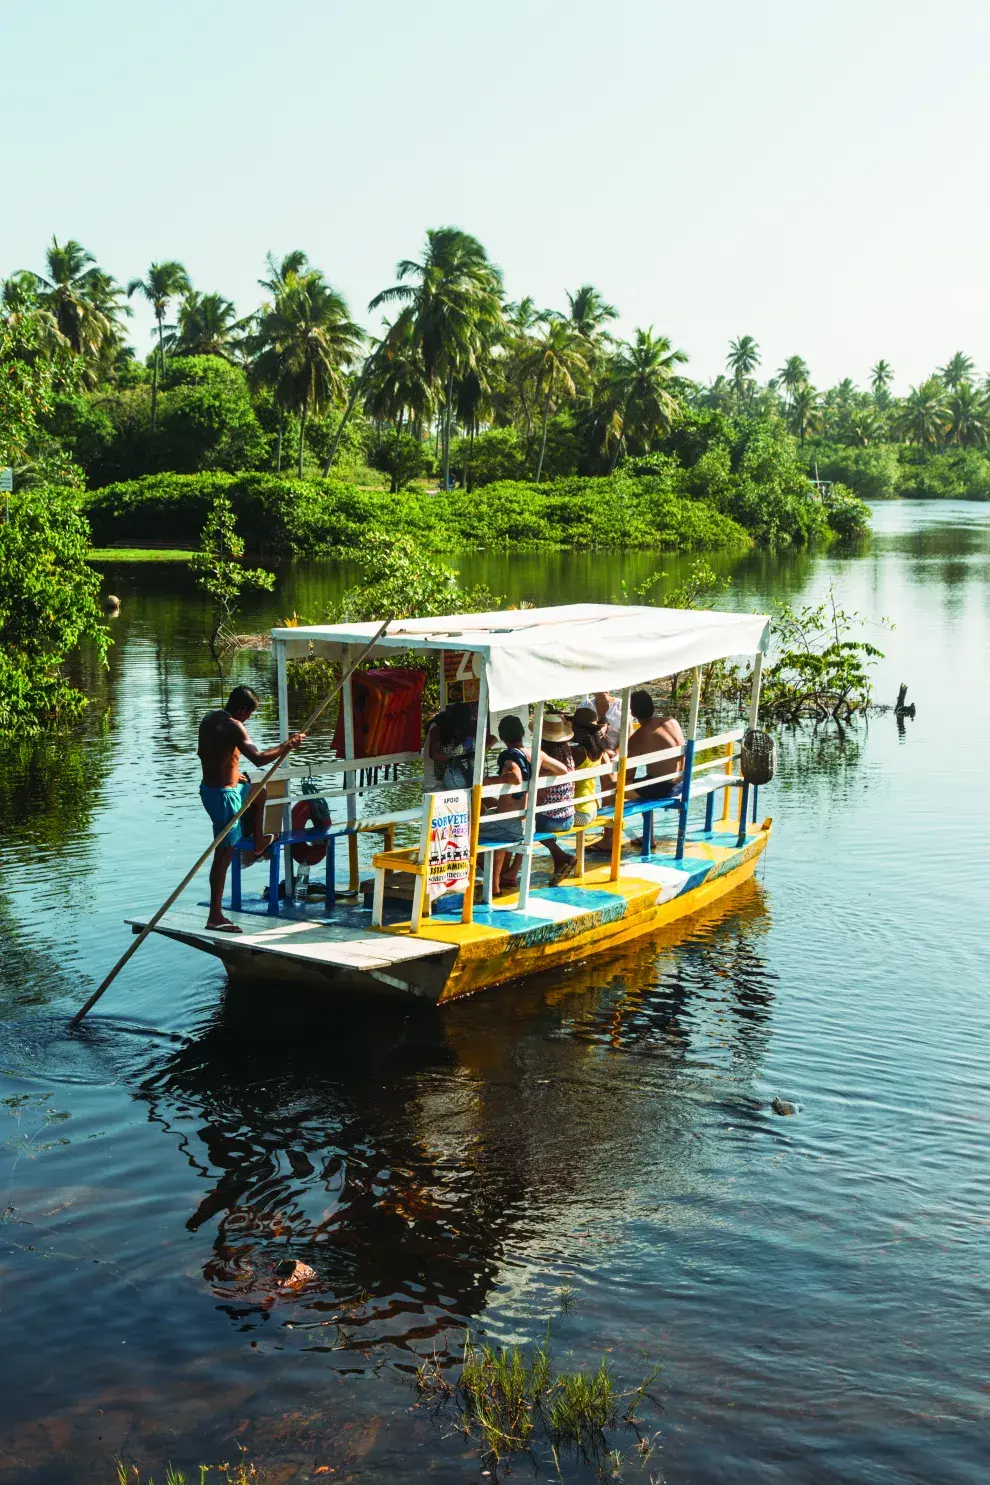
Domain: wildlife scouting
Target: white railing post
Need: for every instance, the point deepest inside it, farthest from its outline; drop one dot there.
(620, 786)
(529, 824)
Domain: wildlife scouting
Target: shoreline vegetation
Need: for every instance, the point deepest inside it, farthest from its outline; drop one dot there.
(469, 422)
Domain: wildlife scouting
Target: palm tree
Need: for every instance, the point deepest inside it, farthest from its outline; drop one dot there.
(969, 416)
(958, 369)
(67, 293)
(804, 414)
(743, 357)
(643, 406)
(165, 281)
(924, 415)
(207, 325)
(295, 262)
(397, 384)
(560, 364)
(881, 376)
(308, 337)
(22, 310)
(456, 307)
(792, 375)
(589, 314)
(865, 423)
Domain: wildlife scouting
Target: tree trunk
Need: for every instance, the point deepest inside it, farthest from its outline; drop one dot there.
(154, 396)
(278, 442)
(446, 428)
(543, 439)
(469, 455)
(618, 451)
(355, 390)
(302, 434)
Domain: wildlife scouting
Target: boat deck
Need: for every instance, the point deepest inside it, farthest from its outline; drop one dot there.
(448, 958)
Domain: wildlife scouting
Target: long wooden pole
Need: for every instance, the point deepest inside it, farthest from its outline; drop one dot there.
(156, 917)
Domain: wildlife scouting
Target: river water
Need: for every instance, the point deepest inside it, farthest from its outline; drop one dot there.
(594, 1149)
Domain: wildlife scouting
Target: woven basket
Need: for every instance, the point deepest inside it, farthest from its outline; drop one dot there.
(758, 757)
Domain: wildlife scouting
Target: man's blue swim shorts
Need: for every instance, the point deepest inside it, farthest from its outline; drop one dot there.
(222, 805)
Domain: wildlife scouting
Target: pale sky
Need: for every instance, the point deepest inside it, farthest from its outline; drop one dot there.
(813, 175)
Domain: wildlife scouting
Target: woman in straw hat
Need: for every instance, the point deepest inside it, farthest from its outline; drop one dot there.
(555, 803)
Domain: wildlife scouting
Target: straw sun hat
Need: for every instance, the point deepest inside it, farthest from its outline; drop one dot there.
(556, 729)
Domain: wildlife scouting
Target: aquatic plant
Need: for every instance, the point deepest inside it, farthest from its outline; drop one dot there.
(819, 667)
(517, 1402)
(218, 572)
(241, 1473)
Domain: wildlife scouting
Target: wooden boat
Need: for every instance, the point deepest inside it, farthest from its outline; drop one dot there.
(447, 937)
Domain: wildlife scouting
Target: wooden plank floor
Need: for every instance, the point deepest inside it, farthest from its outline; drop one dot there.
(324, 943)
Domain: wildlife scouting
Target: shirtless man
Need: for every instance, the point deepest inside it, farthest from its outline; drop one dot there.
(222, 740)
(653, 735)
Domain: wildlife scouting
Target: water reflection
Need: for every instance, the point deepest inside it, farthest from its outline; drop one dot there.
(398, 1156)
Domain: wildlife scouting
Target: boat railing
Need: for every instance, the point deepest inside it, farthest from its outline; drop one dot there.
(713, 771)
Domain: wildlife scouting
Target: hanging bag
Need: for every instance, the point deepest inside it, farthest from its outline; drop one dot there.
(758, 757)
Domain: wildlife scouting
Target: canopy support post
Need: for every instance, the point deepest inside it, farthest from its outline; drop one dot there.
(529, 824)
(478, 778)
(282, 683)
(282, 687)
(754, 714)
(620, 786)
(754, 700)
(349, 779)
(688, 771)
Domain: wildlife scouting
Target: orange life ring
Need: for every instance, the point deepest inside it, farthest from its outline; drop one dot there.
(302, 815)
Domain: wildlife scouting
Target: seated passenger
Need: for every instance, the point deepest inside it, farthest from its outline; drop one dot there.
(557, 800)
(589, 748)
(513, 768)
(653, 735)
(447, 749)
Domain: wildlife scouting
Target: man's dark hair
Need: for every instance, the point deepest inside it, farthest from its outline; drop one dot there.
(641, 705)
(511, 730)
(242, 699)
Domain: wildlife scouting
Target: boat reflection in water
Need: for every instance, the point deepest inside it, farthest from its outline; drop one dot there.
(408, 1157)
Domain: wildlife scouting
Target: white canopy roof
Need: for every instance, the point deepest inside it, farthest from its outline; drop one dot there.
(533, 654)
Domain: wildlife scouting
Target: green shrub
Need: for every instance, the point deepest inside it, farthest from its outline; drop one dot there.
(872, 473)
(281, 517)
(47, 607)
(959, 474)
(205, 417)
(847, 514)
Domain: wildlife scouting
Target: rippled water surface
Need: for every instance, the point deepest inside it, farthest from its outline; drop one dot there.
(595, 1148)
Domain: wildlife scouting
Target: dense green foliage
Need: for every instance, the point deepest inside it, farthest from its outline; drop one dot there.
(48, 605)
(281, 517)
(883, 471)
(47, 589)
(461, 384)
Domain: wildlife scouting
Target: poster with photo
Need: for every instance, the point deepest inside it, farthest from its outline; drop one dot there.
(450, 844)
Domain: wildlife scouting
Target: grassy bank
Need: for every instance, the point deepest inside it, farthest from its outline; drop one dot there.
(138, 554)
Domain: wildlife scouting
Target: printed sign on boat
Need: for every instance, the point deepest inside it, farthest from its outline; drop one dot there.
(450, 844)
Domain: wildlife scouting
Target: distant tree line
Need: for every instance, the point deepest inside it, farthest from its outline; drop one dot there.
(459, 382)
